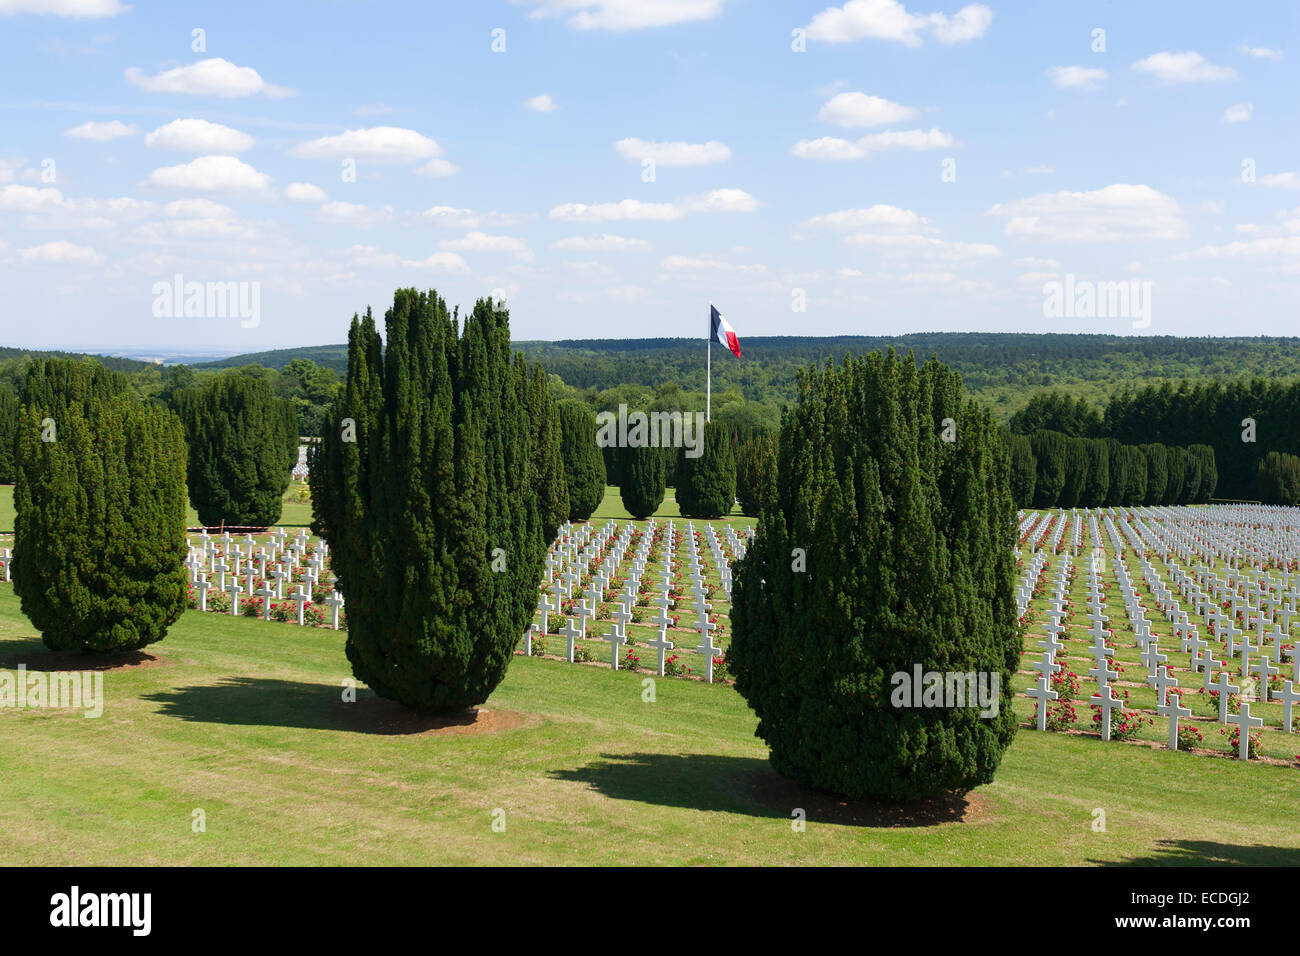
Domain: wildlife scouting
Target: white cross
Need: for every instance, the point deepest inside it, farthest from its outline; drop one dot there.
(1107, 703)
(1224, 687)
(202, 586)
(266, 592)
(335, 601)
(234, 590)
(615, 639)
(544, 606)
(1287, 696)
(300, 595)
(1173, 709)
(1163, 682)
(661, 643)
(1042, 694)
(1244, 722)
(569, 632)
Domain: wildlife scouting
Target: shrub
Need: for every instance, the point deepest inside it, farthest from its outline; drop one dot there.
(909, 543)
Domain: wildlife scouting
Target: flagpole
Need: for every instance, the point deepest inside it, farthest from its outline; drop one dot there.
(708, 380)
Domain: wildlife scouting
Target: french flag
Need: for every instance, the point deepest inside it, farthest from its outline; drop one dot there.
(720, 331)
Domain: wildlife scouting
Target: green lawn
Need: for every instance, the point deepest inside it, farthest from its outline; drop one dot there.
(244, 720)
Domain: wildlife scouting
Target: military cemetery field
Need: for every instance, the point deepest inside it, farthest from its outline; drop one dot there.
(243, 721)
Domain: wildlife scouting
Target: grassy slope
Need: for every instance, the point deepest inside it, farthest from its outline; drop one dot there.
(243, 721)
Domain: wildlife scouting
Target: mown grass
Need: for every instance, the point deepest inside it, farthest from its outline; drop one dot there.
(245, 721)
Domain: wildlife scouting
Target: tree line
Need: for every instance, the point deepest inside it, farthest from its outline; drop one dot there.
(1050, 469)
(1244, 421)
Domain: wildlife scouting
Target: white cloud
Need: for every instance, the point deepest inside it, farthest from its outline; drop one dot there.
(353, 214)
(198, 209)
(603, 241)
(1040, 170)
(1239, 113)
(541, 103)
(450, 217)
(627, 209)
(832, 148)
(878, 216)
(705, 264)
(438, 261)
(718, 200)
(1119, 211)
(437, 168)
(721, 200)
(674, 153)
(73, 9)
(1077, 77)
(304, 192)
(912, 243)
(482, 242)
(211, 174)
(198, 136)
(861, 109)
(1260, 52)
(1288, 246)
(379, 144)
(212, 77)
(619, 16)
(889, 20)
(61, 253)
(1287, 180)
(101, 132)
(29, 198)
(373, 109)
(1184, 67)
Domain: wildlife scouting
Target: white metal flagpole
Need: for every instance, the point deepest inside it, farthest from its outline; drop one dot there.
(708, 378)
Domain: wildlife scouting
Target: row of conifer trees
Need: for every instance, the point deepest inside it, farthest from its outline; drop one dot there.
(1053, 470)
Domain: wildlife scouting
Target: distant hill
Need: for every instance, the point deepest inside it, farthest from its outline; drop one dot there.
(1001, 369)
(331, 356)
(108, 361)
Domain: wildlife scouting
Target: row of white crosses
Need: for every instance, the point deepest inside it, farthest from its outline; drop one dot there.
(576, 549)
(277, 562)
(1206, 591)
(6, 563)
(1057, 609)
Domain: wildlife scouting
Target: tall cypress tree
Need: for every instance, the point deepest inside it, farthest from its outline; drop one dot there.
(1097, 484)
(429, 502)
(584, 463)
(1157, 457)
(100, 510)
(756, 473)
(8, 433)
(243, 442)
(548, 465)
(1077, 461)
(706, 485)
(909, 548)
(1050, 457)
(1024, 469)
(645, 481)
(1209, 472)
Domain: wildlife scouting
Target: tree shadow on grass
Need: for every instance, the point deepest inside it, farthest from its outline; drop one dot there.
(256, 701)
(33, 655)
(1208, 853)
(748, 785)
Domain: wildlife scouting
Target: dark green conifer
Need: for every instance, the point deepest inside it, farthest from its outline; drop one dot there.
(886, 549)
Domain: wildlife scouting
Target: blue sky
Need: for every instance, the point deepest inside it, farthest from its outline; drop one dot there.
(866, 167)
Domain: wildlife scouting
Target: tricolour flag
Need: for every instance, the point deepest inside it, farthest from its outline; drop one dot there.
(720, 331)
